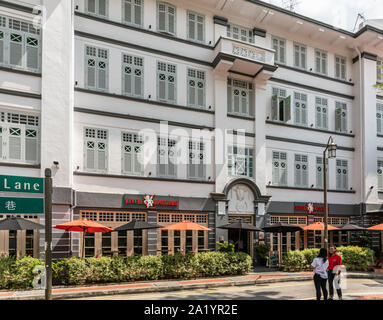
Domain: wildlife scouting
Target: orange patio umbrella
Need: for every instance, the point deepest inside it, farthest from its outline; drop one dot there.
(378, 227)
(318, 226)
(185, 226)
(83, 225)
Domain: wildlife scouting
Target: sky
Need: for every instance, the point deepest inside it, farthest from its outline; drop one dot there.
(339, 13)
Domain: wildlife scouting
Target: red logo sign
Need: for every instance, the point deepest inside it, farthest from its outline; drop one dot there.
(310, 208)
(150, 202)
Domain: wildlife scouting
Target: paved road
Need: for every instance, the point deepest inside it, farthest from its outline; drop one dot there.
(301, 290)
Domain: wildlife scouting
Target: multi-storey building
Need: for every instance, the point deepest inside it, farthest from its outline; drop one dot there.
(89, 88)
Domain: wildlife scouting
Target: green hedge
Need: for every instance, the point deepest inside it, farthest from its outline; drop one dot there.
(17, 274)
(353, 257)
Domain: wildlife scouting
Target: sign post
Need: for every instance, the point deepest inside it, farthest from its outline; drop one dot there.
(48, 233)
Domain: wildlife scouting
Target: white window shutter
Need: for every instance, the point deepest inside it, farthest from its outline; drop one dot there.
(101, 157)
(192, 91)
(90, 155)
(338, 117)
(128, 11)
(287, 109)
(128, 82)
(102, 7)
(274, 107)
(31, 145)
(16, 50)
(319, 172)
(344, 118)
(15, 143)
(229, 96)
(138, 12)
(380, 174)
(161, 17)
(138, 80)
(127, 151)
(191, 25)
(171, 15)
(283, 173)
(200, 28)
(171, 88)
(102, 75)
(32, 52)
(2, 46)
(91, 6)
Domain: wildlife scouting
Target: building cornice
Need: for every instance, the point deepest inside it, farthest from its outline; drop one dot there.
(366, 55)
(20, 165)
(329, 92)
(220, 20)
(142, 100)
(137, 47)
(106, 175)
(308, 143)
(310, 189)
(309, 128)
(138, 29)
(18, 7)
(20, 93)
(24, 72)
(139, 118)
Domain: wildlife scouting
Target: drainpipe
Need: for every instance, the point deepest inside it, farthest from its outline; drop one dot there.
(362, 134)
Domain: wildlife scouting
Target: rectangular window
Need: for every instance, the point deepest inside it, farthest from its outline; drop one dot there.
(97, 66)
(166, 159)
(240, 97)
(196, 88)
(379, 71)
(340, 67)
(341, 174)
(301, 171)
(137, 241)
(340, 117)
(379, 118)
(279, 45)
(240, 33)
(380, 174)
(279, 168)
(321, 113)
(132, 76)
(196, 166)
(320, 62)
(20, 44)
(300, 100)
(280, 105)
(300, 56)
(19, 138)
(132, 154)
(196, 27)
(166, 82)
(95, 149)
(240, 162)
(133, 12)
(166, 18)
(97, 7)
(319, 173)
(122, 242)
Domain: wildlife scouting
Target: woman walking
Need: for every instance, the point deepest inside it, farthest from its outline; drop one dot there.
(320, 265)
(335, 261)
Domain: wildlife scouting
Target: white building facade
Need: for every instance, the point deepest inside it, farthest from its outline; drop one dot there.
(248, 93)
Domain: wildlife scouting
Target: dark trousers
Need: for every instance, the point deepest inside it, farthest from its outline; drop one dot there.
(320, 284)
(331, 277)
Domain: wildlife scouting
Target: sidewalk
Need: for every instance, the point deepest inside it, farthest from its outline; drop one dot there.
(252, 278)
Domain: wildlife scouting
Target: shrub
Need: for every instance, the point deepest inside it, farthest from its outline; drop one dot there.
(239, 263)
(149, 268)
(262, 252)
(100, 270)
(5, 270)
(293, 260)
(178, 266)
(69, 271)
(356, 258)
(353, 257)
(22, 272)
(225, 246)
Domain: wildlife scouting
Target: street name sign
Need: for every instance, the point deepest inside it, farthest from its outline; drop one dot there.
(13, 205)
(21, 184)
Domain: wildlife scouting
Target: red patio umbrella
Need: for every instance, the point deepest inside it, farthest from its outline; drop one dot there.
(185, 226)
(83, 225)
(378, 227)
(318, 226)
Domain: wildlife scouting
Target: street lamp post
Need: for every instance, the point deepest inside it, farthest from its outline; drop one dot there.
(331, 148)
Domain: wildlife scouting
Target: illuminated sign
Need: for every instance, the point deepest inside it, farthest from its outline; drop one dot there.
(310, 208)
(150, 202)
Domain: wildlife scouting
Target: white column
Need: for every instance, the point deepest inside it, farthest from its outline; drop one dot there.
(57, 90)
(260, 136)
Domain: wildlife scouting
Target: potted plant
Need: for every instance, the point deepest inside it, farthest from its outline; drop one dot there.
(262, 252)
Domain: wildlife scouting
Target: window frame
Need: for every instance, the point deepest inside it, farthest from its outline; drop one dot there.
(321, 52)
(248, 161)
(343, 121)
(380, 173)
(98, 60)
(133, 67)
(97, 9)
(302, 109)
(195, 27)
(248, 88)
(280, 95)
(197, 80)
(322, 106)
(277, 181)
(277, 55)
(167, 75)
(303, 172)
(342, 179)
(200, 148)
(344, 65)
(96, 140)
(166, 30)
(168, 162)
(137, 141)
(299, 64)
(249, 33)
(379, 118)
(123, 17)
